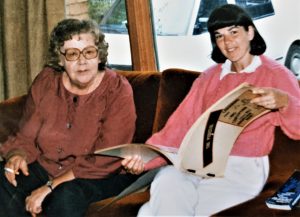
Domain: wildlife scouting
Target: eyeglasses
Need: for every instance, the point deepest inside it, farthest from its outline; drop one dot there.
(73, 54)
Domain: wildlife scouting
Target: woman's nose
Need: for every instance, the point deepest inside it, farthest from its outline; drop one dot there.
(81, 59)
(227, 39)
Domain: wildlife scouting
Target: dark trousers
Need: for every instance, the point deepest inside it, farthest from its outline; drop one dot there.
(69, 199)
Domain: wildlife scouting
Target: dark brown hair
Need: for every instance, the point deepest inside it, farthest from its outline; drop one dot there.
(65, 30)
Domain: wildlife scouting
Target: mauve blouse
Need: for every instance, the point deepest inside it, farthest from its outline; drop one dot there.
(61, 130)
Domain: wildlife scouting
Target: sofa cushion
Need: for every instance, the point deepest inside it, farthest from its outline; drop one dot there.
(284, 159)
(127, 206)
(174, 86)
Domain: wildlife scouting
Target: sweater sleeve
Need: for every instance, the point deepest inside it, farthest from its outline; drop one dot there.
(24, 141)
(288, 118)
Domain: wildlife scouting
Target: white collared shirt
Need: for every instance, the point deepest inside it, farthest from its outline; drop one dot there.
(226, 67)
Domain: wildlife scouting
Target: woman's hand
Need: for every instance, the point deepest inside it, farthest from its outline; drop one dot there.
(270, 98)
(133, 165)
(35, 199)
(33, 202)
(13, 166)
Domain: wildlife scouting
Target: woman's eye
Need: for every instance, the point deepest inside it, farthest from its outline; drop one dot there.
(217, 37)
(233, 32)
(89, 52)
(72, 53)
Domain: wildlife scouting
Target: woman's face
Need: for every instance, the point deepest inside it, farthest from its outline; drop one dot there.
(234, 43)
(83, 71)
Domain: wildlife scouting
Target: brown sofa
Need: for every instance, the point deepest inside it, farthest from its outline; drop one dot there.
(156, 96)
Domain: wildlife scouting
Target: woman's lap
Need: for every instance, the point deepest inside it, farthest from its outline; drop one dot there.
(68, 199)
(177, 193)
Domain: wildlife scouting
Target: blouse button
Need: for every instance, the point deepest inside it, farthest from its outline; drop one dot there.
(69, 125)
(60, 167)
(102, 120)
(59, 149)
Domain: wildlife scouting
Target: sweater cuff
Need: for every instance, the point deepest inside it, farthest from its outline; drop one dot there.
(292, 109)
(154, 163)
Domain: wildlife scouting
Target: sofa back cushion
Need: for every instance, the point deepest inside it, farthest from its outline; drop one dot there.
(174, 86)
(145, 87)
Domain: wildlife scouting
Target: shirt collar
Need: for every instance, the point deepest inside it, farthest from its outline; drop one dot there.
(226, 67)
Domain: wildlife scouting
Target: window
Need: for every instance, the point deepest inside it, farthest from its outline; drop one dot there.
(181, 36)
(172, 17)
(181, 33)
(257, 8)
(112, 19)
(181, 29)
(205, 9)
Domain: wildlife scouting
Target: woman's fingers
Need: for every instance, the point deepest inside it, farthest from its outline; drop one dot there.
(133, 165)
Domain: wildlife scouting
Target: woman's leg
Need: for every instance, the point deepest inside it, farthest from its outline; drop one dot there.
(172, 193)
(244, 179)
(175, 193)
(13, 198)
(67, 199)
(73, 198)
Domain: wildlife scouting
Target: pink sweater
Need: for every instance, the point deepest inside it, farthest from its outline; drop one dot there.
(258, 137)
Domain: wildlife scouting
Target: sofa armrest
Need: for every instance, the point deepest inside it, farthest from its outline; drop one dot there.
(10, 115)
(284, 159)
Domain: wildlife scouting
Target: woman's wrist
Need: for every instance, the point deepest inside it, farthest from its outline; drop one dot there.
(15, 152)
(49, 184)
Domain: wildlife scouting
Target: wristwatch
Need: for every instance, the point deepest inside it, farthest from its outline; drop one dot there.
(49, 184)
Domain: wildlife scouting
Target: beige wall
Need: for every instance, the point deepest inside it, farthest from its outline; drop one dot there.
(77, 9)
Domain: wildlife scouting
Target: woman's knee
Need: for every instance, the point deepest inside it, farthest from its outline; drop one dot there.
(168, 173)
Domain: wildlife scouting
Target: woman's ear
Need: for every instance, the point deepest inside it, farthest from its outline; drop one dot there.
(251, 33)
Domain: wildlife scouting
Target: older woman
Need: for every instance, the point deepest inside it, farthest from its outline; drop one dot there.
(238, 49)
(74, 106)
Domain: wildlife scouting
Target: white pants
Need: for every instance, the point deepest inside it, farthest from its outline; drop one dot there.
(174, 193)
